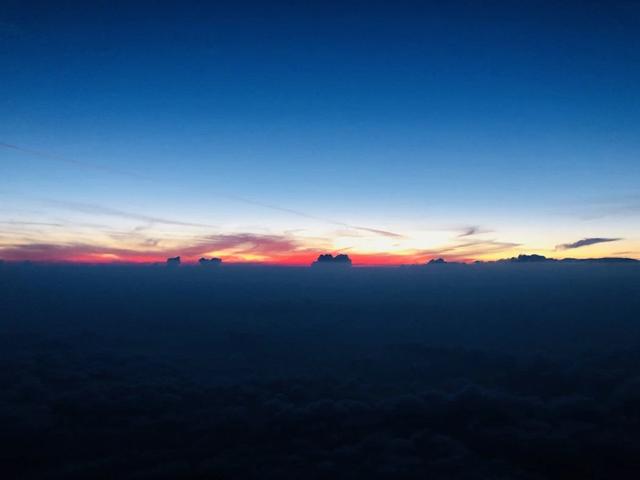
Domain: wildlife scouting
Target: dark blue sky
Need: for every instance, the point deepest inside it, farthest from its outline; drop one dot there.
(420, 118)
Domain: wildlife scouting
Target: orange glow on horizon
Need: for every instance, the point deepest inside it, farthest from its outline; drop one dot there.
(293, 259)
(302, 256)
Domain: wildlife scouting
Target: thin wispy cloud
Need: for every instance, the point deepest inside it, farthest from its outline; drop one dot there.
(470, 249)
(276, 248)
(377, 231)
(93, 209)
(34, 224)
(243, 243)
(488, 243)
(130, 174)
(70, 161)
(72, 251)
(611, 206)
(585, 242)
(472, 230)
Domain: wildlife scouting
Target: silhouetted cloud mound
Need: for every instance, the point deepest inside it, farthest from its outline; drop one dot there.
(533, 258)
(329, 260)
(436, 261)
(600, 260)
(442, 261)
(585, 242)
(173, 261)
(210, 262)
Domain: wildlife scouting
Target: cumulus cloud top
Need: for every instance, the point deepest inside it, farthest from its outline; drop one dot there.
(327, 259)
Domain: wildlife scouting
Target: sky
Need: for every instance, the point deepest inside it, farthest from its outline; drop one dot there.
(271, 132)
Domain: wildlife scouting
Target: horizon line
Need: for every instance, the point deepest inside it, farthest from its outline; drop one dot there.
(194, 263)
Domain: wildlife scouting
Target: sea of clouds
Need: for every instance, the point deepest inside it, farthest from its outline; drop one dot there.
(487, 371)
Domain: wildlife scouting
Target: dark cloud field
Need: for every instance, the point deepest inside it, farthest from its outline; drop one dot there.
(495, 371)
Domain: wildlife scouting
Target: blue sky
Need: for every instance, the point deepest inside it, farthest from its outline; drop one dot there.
(416, 118)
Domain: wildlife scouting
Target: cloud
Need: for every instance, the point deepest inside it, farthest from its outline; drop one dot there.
(384, 233)
(243, 243)
(377, 231)
(74, 252)
(471, 249)
(318, 368)
(126, 173)
(93, 209)
(69, 161)
(34, 224)
(283, 249)
(472, 230)
(233, 247)
(613, 206)
(492, 244)
(585, 242)
(327, 259)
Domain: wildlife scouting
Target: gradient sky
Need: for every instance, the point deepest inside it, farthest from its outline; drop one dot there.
(274, 131)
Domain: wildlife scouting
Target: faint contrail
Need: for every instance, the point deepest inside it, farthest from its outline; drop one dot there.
(385, 233)
(100, 210)
(116, 171)
(70, 161)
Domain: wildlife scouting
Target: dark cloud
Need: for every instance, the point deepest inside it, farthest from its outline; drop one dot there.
(210, 262)
(585, 242)
(173, 261)
(472, 230)
(525, 258)
(340, 259)
(467, 373)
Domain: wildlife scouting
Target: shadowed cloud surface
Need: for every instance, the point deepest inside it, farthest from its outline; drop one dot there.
(503, 370)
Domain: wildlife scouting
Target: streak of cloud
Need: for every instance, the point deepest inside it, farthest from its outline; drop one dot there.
(271, 248)
(384, 233)
(471, 231)
(93, 209)
(377, 231)
(243, 243)
(585, 242)
(27, 224)
(470, 249)
(73, 252)
(70, 161)
(126, 173)
(612, 206)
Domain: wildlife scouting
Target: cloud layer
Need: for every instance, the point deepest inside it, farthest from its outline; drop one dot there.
(377, 374)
